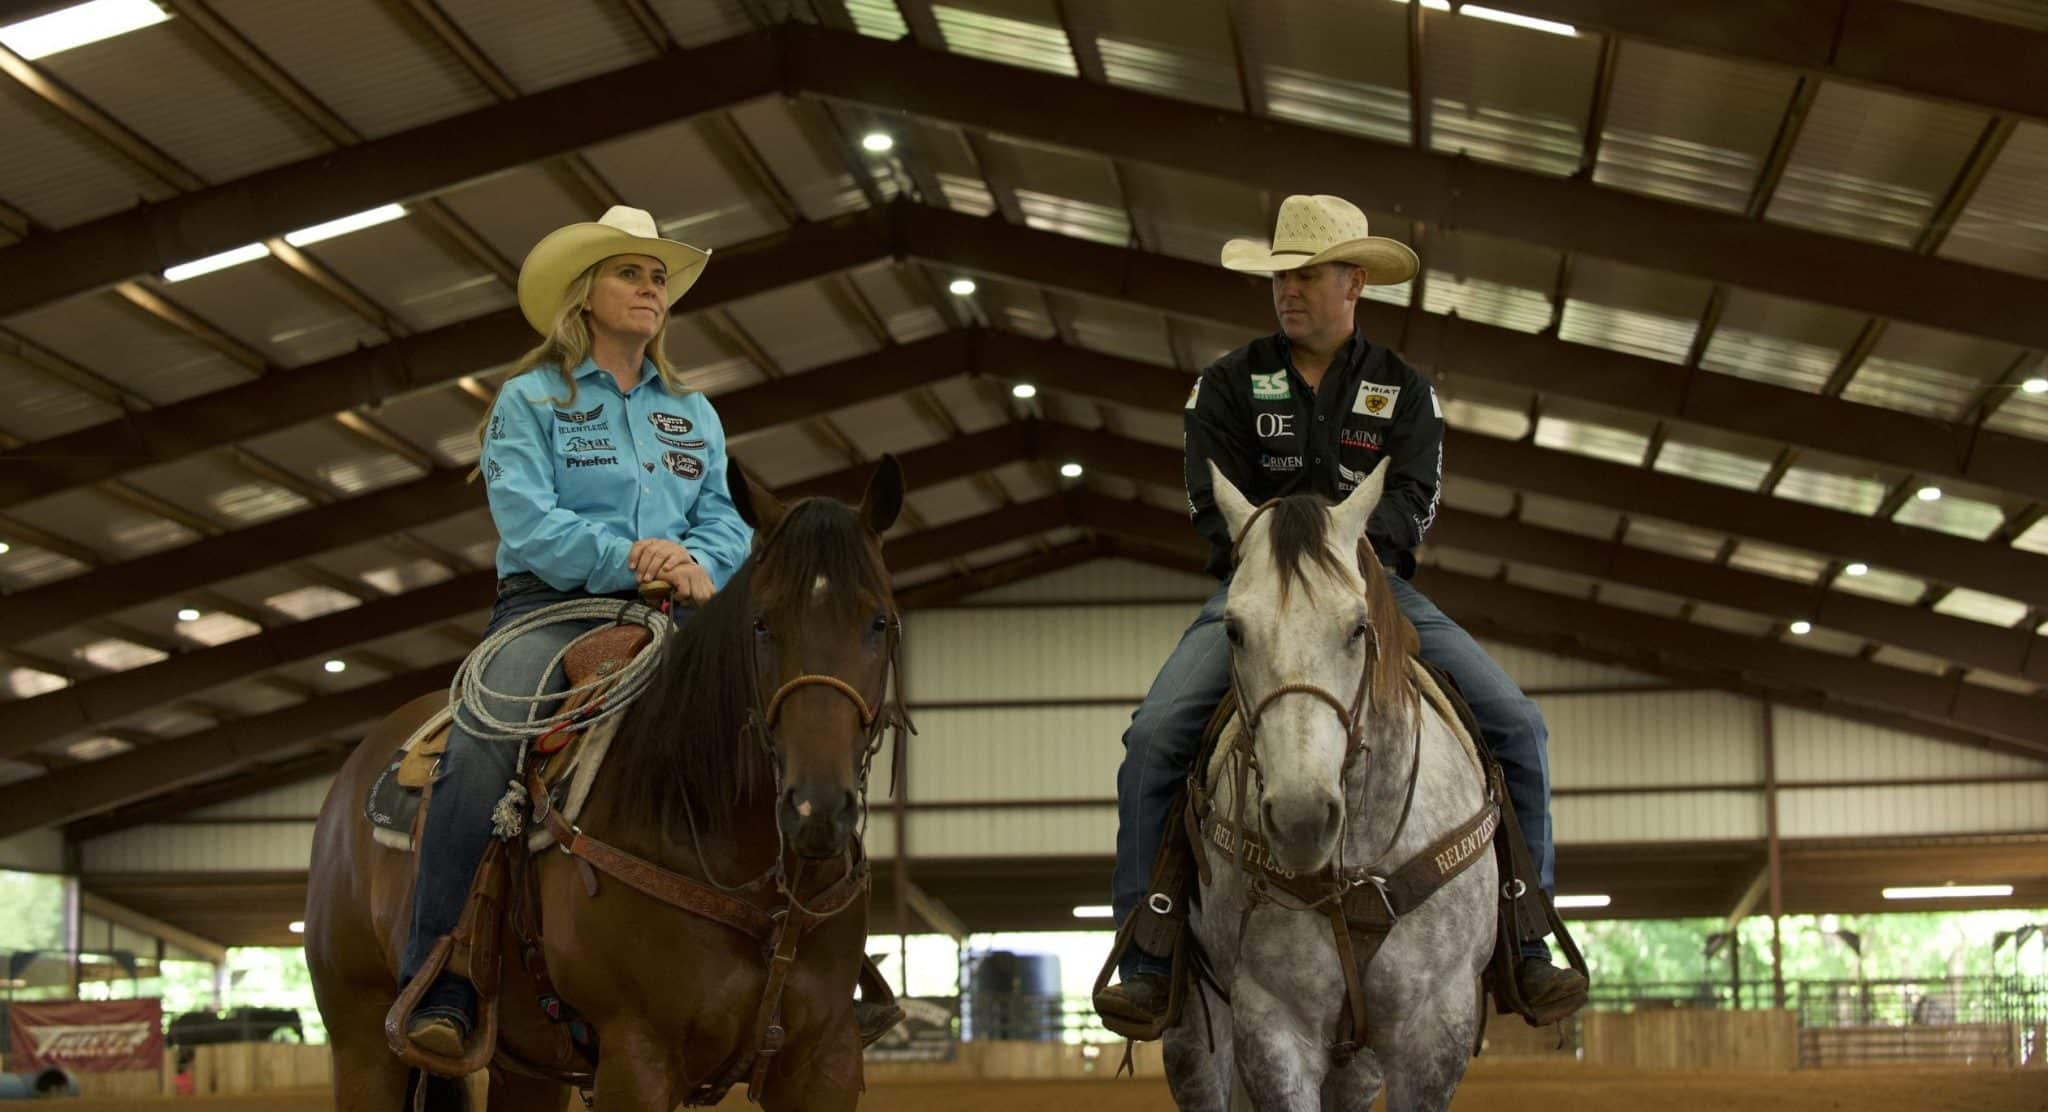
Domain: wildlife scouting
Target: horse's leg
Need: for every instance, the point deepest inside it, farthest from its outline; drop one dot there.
(1198, 1075)
(828, 1079)
(367, 1076)
(525, 1094)
(1355, 1086)
(1276, 1066)
(633, 1074)
(1425, 1056)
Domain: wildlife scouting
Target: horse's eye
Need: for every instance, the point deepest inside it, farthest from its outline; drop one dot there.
(1233, 634)
(761, 625)
(1358, 632)
(881, 623)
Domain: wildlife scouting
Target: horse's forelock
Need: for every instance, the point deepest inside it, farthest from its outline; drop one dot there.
(1298, 533)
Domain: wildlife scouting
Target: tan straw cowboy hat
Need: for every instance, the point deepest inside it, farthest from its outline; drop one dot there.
(1323, 229)
(566, 252)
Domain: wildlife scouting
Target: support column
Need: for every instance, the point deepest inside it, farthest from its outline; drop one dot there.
(1771, 859)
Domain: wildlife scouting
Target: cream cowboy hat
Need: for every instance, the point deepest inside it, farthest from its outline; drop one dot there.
(1323, 229)
(564, 253)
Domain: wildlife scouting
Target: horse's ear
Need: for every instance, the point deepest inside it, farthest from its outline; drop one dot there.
(761, 510)
(883, 499)
(1236, 511)
(1350, 516)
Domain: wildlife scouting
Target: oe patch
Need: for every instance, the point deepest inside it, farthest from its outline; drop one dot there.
(1376, 401)
(1272, 387)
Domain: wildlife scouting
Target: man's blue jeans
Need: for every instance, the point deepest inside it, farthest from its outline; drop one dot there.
(477, 768)
(1166, 730)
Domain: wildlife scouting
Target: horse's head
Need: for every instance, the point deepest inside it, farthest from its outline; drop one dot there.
(1317, 648)
(824, 632)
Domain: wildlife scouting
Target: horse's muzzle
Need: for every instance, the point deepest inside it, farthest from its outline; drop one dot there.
(1304, 829)
(819, 822)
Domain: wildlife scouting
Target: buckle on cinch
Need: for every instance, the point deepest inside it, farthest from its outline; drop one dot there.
(1160, 903)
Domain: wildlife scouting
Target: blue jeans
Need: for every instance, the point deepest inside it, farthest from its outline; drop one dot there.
(478, 768)
(1166, 731)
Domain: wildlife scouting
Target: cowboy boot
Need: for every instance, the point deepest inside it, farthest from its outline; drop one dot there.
(445, 1017)
(1135, 1006)
(876, 1013)
(1551, 992)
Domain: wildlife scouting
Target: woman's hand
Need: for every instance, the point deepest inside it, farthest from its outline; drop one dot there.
(659, 558)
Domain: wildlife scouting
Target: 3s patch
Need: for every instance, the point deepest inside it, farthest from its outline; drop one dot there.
(1271, 388)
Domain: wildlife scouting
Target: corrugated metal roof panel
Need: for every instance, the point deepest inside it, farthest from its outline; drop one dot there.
(1873, 165)
(269, 307)
(1903, 658)
(398, 266)
(1013, 307)
(24, 565)
(947, 502)
(1882, 584)
(322, 449)
(877, 19)
(697, 189)
(904, 308)
(801, 327)
(1663, 138)
(1635, 598)
(1953, 514)
(1780, 341)
(2021, 413)
(1773, 560)
(2020, 13)
(360, 59)
(1627, 308)
(112, 338)
(2005, 223)
(1508, 94)
(1597, 522)
(1819, 484)
(443, 421)
(2001, 682)
(1024, 33)
(207, 485)
(1025, 481)
(1490, 279)
(1830, 641)
(1925, 370)
(1172, 48)
(975, 404)
(101, 524)
(1464, 563)
(57, 173)
(785, 454)
(709, 362)
(700, 22)
(1585, 438)
(218, 124)
(1554, 582)
(890, 424)
(539, 44)
(1672, 538)
(1116, 329)
(791, 137)
(1338, 66)
(1979, 606)
(1712, 465)
(1733, 621)
(1190, 216)
(42, 406)
(513, 210)
(1483, 418)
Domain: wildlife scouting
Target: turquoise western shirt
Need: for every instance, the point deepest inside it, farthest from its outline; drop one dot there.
(573, 486)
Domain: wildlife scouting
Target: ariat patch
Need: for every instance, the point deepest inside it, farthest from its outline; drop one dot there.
(1271, 388)
(1376, 401)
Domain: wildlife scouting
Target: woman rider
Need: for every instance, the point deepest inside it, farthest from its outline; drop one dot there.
(603, 472)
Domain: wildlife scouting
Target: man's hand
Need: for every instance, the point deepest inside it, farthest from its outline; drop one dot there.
(659, 558)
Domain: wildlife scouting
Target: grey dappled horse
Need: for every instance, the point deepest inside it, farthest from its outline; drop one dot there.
(1301, 612)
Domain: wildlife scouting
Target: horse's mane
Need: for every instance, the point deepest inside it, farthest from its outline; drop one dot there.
(687, 733)
(1300, 537)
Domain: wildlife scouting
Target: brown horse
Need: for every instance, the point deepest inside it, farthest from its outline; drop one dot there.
(706, 779)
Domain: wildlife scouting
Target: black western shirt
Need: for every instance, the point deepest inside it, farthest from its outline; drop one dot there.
(1271, 435)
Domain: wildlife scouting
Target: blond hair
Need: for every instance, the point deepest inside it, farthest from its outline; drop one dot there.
(568, 345)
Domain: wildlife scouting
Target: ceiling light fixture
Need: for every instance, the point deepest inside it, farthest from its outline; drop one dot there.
(1949, 892)
(1801, 628)
(1582, 901)
(188, 614)
(248, 252)
(877, 141)
(1070, 470)
(1094, 911)
(1023, 390)
(382, 214)
(961, 287)
(1928, 494)
(1494, 15)
(1858, 568)
(78, 25)
(336, 666)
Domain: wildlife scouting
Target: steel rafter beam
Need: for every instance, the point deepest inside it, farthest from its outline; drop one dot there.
(2011, 722)
(1889, 44)
(86, 789)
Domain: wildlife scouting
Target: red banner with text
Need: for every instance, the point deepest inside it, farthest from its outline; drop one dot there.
(87, 1037)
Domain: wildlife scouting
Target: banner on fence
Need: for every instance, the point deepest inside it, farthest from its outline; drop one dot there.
(930, 1032)
(87, 1037)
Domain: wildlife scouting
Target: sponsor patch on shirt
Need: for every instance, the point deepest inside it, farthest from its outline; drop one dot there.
(588, 444)
(670, 423)
(1435, 409)
(497, 427)
(591, 461)
(1193, 394)
(1271, 388)
(694, 444)
(683, 464)
(579, 417)
(1280, 463)
(492, 471)
(1361, 438)
(1376, 401)
(1347, 479)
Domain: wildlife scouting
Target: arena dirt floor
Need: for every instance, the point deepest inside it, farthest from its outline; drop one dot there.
(1497, 1087)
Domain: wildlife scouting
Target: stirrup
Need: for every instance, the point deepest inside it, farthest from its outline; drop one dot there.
(874, 1019)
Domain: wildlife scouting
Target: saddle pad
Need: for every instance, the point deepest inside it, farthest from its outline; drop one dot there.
(392, 804)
